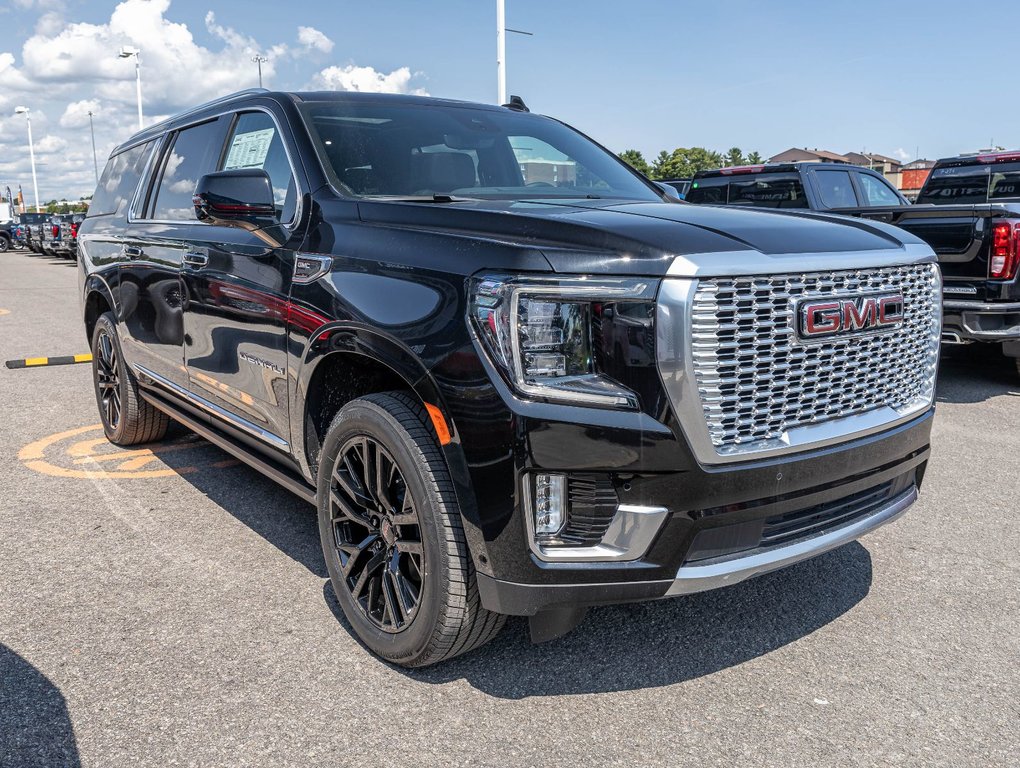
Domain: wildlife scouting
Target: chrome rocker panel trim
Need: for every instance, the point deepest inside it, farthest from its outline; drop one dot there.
(699, 578)
(200, 402)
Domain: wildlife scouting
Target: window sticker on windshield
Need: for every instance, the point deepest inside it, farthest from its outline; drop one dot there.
(249, 150)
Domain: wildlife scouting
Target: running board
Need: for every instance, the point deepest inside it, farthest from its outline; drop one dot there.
(289, 480)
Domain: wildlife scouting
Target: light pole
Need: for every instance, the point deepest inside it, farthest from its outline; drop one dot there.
(95, 162)
(501, 30)
(126, 52)
(259, 59)
(31, 152)
(501, 50)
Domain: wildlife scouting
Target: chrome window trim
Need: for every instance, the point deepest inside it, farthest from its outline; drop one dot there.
(200, 402)
(237, 110)
(674, 355)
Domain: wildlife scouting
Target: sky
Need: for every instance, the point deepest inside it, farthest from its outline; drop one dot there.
(897, 78)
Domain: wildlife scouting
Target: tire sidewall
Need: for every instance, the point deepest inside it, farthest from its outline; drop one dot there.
(365, 418)
(105, 324)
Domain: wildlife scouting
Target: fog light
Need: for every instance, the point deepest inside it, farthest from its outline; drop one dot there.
(550, 504)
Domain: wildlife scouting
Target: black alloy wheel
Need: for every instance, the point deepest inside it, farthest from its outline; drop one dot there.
(108, 379)
(377, 534)
(393, 534)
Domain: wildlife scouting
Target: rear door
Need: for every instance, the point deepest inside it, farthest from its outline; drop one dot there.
(154, 251)
(834, 188)
(238, 284)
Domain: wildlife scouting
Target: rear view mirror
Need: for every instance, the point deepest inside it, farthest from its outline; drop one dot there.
(242, 196)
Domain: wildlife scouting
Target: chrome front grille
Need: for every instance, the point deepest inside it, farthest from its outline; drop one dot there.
(757, 381)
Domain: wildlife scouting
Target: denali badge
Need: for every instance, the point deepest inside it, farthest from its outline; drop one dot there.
(818, 318)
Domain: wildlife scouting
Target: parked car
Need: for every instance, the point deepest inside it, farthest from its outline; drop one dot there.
(18, 234)
(7, 237)
(65, 235)
(817, 186)
(978, 243)
(34, 230)
(361, 296)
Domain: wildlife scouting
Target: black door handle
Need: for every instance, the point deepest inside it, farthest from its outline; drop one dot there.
(132, 252)
(193, 259)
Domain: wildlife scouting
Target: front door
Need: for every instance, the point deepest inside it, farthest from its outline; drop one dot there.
(237, 287)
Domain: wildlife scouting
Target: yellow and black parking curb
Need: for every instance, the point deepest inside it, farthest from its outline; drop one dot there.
(35, 362)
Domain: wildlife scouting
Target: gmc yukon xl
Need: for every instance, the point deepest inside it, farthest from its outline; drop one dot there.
(511, 374)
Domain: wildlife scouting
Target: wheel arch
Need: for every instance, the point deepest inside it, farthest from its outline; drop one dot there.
(343, 362)
(98, 298)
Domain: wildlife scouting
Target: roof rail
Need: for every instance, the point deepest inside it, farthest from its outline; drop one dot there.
(206, 105)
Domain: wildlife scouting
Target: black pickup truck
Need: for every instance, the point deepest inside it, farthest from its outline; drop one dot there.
(507, 393)
(968, 212)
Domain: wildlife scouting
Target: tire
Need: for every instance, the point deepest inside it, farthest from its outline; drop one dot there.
(5, 244)
(402, 543)
(127, 418)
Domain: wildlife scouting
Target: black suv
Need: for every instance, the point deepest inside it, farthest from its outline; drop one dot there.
(514, 377)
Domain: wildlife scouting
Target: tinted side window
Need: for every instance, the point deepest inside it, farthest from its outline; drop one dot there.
(256, 143)
(120, 178)
(876, 191)
(770, 192)
(707, 191)
(194, 153)
(835, 189)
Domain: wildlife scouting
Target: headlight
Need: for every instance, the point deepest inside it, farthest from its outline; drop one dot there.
(539, 332)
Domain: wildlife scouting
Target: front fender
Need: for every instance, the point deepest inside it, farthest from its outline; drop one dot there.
(354, 338)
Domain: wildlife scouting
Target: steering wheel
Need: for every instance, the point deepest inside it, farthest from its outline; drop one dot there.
(539, 184)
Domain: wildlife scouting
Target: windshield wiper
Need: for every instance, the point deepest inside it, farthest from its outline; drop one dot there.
(423, 198)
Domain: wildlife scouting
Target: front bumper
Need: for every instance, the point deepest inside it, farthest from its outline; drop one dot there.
(966, 321)
(713, 534)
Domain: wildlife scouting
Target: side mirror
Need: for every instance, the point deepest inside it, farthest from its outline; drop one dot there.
(243, 197)
(671, 191)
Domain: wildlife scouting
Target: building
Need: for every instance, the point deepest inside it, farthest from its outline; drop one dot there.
(889, 167)
(914, 174)
(794, 155)
(555, 172)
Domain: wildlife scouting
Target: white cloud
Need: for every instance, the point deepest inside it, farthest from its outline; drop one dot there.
(355, 78)
(902, 154)
(77, 113)
(68, 67)
(312, 38)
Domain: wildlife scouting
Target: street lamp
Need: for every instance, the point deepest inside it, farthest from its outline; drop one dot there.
(501, 30)
(31, 152)
(259, 59)
(95, 162)
(126, 52)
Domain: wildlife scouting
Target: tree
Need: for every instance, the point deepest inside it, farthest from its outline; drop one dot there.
(754, 159)
(636, 160)
(683, 162)
(735, 157)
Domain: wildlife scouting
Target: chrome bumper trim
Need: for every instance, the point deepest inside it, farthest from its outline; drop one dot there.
(627, 538)
(699, 578)
(979, 306)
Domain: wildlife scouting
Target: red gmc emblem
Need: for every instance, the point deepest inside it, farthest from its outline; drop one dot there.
(818, 318)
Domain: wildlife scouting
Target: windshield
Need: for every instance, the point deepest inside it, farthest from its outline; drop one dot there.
(404, 150)
(972, 184)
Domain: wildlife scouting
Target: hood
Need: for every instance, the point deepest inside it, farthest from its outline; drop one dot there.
(641, 238)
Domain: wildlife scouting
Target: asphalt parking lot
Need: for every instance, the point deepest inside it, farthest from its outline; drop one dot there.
(170, 607)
